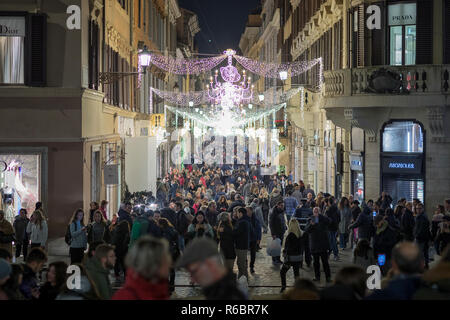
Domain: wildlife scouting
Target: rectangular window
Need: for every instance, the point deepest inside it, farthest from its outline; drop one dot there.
(402, 25)
(12, 35)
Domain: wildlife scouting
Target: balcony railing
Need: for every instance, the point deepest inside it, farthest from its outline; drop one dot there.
(417, 79)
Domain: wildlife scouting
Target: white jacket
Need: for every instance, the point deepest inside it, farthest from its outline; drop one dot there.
(38, 235)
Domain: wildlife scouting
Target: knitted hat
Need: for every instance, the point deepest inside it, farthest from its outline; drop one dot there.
(5, 268)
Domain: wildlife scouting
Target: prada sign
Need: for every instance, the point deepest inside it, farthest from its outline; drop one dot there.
(12, 26)
(402, 14)
(402, 165)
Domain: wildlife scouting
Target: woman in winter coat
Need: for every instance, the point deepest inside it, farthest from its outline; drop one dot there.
(38, 230)
(275, 197)
(56, 279)
(99, 230)
(265, 205)
(120, 240)
(226, 240)
(78, 233)
(200, 227)
(346, 218)
(222, 204)
(292, 252)
(171, 235)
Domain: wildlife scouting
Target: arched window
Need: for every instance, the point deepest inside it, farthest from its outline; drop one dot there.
(402, 136)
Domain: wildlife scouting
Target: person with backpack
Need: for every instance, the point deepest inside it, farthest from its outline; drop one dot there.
(77, 237)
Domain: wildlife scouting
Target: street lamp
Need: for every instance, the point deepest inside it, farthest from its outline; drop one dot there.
(283, 75)
(261, 97)
(144, 58)
(191, 103)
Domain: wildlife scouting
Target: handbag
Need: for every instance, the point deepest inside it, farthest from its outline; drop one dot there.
(274, 248)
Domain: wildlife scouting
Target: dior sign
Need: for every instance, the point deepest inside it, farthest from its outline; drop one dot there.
(12, 26)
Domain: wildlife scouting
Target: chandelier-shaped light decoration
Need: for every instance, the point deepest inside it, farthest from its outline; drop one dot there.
(192, 98)
(232, 92)
(186, 66)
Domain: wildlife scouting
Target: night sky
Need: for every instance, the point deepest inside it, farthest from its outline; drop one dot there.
(221, 22)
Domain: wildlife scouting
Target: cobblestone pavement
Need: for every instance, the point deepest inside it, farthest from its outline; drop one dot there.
(266, 274)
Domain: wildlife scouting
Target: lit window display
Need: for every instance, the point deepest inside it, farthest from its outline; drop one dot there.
(19, 183)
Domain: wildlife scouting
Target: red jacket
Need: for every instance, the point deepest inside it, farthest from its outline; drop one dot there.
(138, 288)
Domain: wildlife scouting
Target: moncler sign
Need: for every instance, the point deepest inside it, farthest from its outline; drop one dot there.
(12, 26)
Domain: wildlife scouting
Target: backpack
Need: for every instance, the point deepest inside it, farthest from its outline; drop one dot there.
(68, 236)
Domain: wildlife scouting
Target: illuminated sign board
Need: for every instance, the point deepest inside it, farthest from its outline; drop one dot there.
(402, 165)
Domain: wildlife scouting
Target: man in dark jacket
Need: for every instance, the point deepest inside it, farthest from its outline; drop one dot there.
(407, 265)
(422, 234)
(203, 261)
(34, 263)
(277, 223)
(317, 231)
(183, 221)
(364, 224)
(255, 236)
(98, 267)
(125, 213)
(241, 234)
(21, 236)
(334, 216)
(384, 240)
(407, 225)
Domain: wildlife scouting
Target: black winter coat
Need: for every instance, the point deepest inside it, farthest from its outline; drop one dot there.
(224, 289)
(422, 228)
(20, 228)
(171, 235)
(334, 216)
(318, 234)
(364, 224)
(385, 241)
(226, 242)
(294, 246)
(182, 222)
(355, 212)
(121, 238)
(407, 225)
(241, 233)
(277, 222)
(235, 204)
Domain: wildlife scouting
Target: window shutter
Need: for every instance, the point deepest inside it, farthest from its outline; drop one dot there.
(447, 31)
(378, 39)
(361, 34)
(424, 38)
(35, 52)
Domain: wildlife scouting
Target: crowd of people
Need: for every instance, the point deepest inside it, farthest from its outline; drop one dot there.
(207, 220)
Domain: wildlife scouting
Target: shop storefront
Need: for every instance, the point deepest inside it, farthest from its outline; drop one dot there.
(356, 159)
(21, 181)
(402, 160)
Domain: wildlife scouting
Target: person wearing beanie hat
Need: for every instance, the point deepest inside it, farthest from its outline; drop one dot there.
(204, 262)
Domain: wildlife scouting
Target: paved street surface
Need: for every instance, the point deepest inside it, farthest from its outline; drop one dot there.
(266, 274)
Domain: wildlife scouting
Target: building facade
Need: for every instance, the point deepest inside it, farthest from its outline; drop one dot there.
(72, 101)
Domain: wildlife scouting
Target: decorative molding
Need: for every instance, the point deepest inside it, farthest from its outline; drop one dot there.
(174, 11)
(436, 117)
(95, 5)
(329, 13)
(294, 4)
(117, 43)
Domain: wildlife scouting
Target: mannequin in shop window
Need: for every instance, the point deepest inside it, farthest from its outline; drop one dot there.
(10, 212)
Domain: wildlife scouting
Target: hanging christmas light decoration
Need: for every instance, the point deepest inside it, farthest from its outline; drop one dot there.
(186, 66)
(230, 93)
(275, 70)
